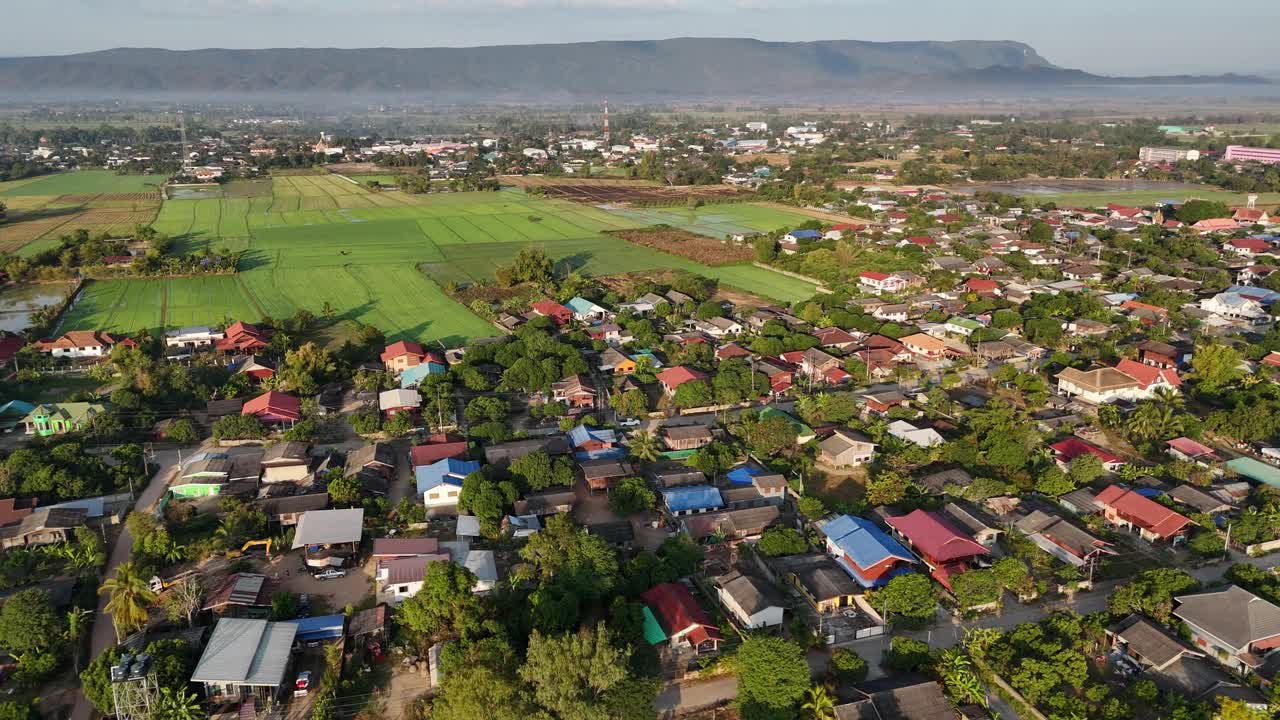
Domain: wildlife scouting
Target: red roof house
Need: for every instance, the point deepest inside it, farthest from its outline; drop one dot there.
(1073, 447)
(731, 350)
(9, 347)
(274, 408)
(1149, 376)
(401, 355)
(674, 377)
(12, 510)
(834, 337)
(554, 310)
(945, 549)
(1272, 359)
(683, 620)
(982, 286)
(241, 337)
(437, 447)
(1129, 509)
(1184, 448)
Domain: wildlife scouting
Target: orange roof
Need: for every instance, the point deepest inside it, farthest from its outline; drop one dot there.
(1147, 375)
(402, 347)
(926, 343)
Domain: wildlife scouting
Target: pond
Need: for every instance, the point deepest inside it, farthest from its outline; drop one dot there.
(19, 302)
(193, 192)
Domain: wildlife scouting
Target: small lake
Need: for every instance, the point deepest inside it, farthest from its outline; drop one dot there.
(1074, 185)
(20, 302)
(194, 192)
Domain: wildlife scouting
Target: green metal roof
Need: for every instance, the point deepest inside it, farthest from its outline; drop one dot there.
(803, 432)
(1256, 470)
(678, 454)
(653, 633)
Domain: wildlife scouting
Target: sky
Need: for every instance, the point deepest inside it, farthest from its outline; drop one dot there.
(1117, 37)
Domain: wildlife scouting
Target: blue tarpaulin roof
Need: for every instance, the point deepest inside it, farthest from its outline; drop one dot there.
(323, 627)
(1149, 492)
(692, 497)
(742, 475)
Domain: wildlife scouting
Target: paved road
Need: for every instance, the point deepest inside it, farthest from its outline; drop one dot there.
(104, 634)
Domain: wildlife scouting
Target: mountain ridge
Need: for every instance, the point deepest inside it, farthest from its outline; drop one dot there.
(676, 67)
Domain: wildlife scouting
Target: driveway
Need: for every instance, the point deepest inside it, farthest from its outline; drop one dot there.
(104, 634)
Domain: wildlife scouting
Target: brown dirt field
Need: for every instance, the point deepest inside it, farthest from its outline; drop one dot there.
(13, 235)
(112, 197)
(841, 486)
(113, 217)
(774, 159)
(522, 181)
(698, 248)
(602, 194)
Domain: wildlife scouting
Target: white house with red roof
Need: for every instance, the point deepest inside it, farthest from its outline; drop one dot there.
(673, 377)
(1150, 378)
(1129, 509)
(1251, 216)
(402, 355)
(1064, 451)
(681, 618)
(83, 344)
(944, 549)
(1215, 225)
(878, 282)
(1188, 450)
(1248, 247)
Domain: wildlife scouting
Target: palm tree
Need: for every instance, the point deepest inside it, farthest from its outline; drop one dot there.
(176, 704)
(644, 446)
(1168, 397)
(819, 703)
(130, 595)
(77, 624)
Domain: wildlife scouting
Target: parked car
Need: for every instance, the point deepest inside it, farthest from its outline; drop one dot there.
(304, 680)
(330, 574)
(629, 422)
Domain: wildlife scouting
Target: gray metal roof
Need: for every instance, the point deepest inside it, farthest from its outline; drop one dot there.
(1235, 616)
(329, 527)
(246, 652)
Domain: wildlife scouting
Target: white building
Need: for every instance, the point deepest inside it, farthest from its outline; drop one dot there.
(753, 603)
(924, 437)
(195, 336)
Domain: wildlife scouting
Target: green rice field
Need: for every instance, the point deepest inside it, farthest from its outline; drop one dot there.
(81, 182)
(1143, 198)
(381, 258)
(717, 221)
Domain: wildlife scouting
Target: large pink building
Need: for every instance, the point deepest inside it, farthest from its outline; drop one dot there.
(1241, 153)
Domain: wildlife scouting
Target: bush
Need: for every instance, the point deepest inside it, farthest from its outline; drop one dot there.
(631, 495)
(782, 541)
(238, 427)
(365, 422)
(906, 655)
(182, 431)
(848, 666)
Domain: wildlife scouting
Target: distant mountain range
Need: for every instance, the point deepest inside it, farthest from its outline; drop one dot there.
(676, 69)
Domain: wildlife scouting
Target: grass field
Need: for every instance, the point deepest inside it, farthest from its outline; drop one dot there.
(381, 258)
(81, 182)
(1152, 197)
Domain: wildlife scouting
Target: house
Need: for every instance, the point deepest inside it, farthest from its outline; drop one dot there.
(198, 336)
(554, 310)
(1099, 386)
(61, 418)
(402, 355)
(960, 326)
(374, 464)
(1147, 644)
(752, 602)
(603, 473)
(943, 548)
(906, 432)
(644, 305)
(576, 391)
(255, 367)
(816, 577)
(682, 621)
(287, 510)
(878, 283)
(1237, 308)
(246, 661)
(287, 461)
(440, 483)
(1073, 447)
(592, 443)
(1233, 626)
(1129, 509)
(241, 595)
(552, 501)
(1247, 247)
(585, 311)
(925, 346)
(1200, 501)
(43, 526)
(9, 347)
(613, 361)
(501, 454)
(241, 338)
(869, 555)
(437, 447)
(1163, 658)
(79, 344)
(1157, 354)
(686, 437)
(274, 408)
(1251, 216)
(1063, 540)
(674, 377)
(980, 527)
(882, 401)
(400, 578)
(938, 482)
(730, 525)
(846, 449)
(691, 499)
(1188, 450)
(834, 337)
(921, 701)
(329, 537)
(1150, 378)
(13, 510)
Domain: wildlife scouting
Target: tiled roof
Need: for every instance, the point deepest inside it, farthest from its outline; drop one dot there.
(1146, 513)
(936, 538)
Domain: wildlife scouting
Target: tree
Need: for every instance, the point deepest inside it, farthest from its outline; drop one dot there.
(906, 654)
(10, 710)
(571, 675)
(177, 704)
(399, 424)
(1151, 592)
(583, 563)
(445, 603)
(632, 403)
(1207, 543)
(710, 309)
(811, 507)
(713, 459)
(772, 435)
(346, 490)
(1215, 366)
(1054, 483)
(1232, 709)
(778, 541)
(182, 431)
(819, 704)
(284, 605)
(975, 587)
(538, 471)
(487, 499)
(692, 394)
(630, 496)
(482, 686)
(28, 622)
(848, 666)
(78, 624)
(1084, 469)
(766, 249)
(773, 677)
(130, 595)
(644, 447)
(1040, 232)
(887, 488)
(304, 368)
(906, 599)
(184, 599)
(1193, 211)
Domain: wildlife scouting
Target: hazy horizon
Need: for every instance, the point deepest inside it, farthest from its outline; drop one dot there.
(1142, 37)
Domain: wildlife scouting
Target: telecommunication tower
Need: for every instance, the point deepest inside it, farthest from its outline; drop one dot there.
(606, 123)
(134, 687)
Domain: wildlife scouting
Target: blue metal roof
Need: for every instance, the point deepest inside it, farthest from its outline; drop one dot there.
(864, 543)
(742, 475)
(614, 453)
(582, 306)
(412, 377)
(805, 234)
(94, 507)
(449, 470)
(322, 627)
(582, 435)
(692, 497)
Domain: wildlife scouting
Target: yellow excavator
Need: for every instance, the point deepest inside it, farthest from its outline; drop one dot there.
(233, 554)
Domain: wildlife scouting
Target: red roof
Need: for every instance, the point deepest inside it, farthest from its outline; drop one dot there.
(1251, 214)
(731, 350)
(933, 536)
(1272, 359)
(552, 309)
(880, 342)
(243, 336)
(674, 377)
(847, 226)
(9, 347)
(437, 448)
(13, 510)
(1148, 375)
(1191, 448)
(1147, 514)
(833, 336)
(1251, 244)
(272, 404)
(678, 611)
(1073, 447)
(402, 347)
(873, 275)
(922, 240)
(1135, 305)
(981, 285)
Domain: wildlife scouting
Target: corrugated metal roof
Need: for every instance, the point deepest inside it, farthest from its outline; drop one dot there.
(692, 497)
(321, 627)
(329, 527)
(246, 652)
(864, 543)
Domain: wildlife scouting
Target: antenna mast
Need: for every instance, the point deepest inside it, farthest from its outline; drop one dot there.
(186, 149)
(606, 123)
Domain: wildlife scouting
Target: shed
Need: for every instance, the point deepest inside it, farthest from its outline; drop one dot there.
(1256, 471)
(321, 627)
